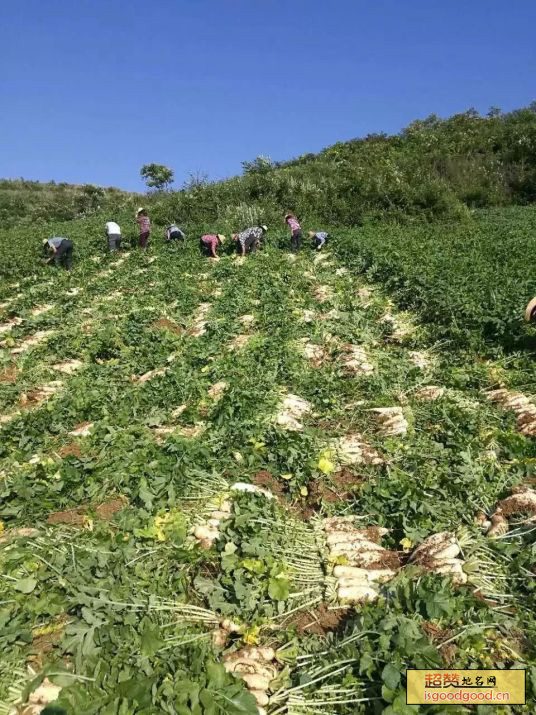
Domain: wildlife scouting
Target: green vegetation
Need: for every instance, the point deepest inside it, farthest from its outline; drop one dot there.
(470, 279)
(29, 203)
(157, 176)
(144, 396)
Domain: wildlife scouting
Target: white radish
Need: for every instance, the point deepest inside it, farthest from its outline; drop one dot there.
(256, 682)
(449, 552)
(357, 594)
(356, 572)
(252, 489)
(231, 626)
(260, 696)
(202, 532)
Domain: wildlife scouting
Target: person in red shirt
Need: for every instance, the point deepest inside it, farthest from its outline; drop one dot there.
(145, 227)
(209, 243)
(295, 231)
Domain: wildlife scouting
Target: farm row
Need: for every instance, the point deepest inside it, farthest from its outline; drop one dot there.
(138, 391)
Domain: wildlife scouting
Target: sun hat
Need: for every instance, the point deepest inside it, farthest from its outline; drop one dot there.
(264, 227)
(530, 310)
(311, 234)
(140, 210)
(221, 237)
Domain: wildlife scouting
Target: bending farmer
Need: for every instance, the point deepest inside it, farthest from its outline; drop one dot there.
(174, 233)
(59, 250)
(249, 239)
(209, 243)
(319, 238)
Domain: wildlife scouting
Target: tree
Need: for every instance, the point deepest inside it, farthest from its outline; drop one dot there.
(260, 165)
(157, 176)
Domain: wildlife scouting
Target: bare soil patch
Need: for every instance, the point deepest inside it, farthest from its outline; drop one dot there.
(77, 516)
(166, 324)
(266, 480)
(70, 450)
(9, 374)
(319, 621)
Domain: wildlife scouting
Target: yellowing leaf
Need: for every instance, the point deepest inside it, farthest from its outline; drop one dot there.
(325, 465)
(287, 477)
(251, 636)
(304, 491)
(406, 543)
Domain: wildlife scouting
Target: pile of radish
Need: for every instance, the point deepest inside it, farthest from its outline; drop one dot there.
(199, 322)
(367, 563)
(391, 420)
(518, 403)
(323, 293)
(311, 351)
(217, 390)
(439, 554)
(354, 359)
(292, 409)
(257, 668)
(430, 392)
(207, 531)
(521, 502)
(352, 449)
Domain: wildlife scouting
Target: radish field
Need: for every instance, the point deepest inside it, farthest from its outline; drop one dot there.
(254, 486)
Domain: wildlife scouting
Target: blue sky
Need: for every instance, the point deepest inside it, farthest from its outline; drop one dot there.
(93, 89)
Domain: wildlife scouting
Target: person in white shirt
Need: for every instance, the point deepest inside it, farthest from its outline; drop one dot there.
(113, 232)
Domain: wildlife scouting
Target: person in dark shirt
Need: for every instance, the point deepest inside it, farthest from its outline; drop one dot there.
(59, 250)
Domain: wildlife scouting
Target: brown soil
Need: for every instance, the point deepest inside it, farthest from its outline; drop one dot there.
(70, 450)
(449, 653)
(71, 517)
(9, 374)
(265, 480)
(30, 398)
(165, 324)
(77, 516)
(318, 621)
(108, 509)
(340, 487)
(435, 633)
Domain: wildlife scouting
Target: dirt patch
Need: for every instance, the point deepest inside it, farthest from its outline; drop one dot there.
(9, 374)
(340, 487)
(435, 633)
(108, 509)
(319, 621)
(166, 324)
(70, 450)
(71, 517)
(78, 516)
(265, 480)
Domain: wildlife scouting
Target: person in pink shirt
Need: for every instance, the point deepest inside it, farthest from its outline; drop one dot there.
(295, 231)
(145, 227)
(209, 243)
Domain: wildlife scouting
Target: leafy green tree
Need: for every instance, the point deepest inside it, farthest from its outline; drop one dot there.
(157, 176)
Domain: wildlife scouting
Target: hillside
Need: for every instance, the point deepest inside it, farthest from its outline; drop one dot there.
(271, 485)
(30, 202)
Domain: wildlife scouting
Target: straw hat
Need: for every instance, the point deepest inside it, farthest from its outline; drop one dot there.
(530, 310)
(221, 237)
(264, 227)
(312, 234)
(140, 210)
